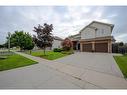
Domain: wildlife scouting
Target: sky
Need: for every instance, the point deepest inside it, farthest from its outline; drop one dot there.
(66, 20)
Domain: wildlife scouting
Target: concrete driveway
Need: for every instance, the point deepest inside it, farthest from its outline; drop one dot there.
(35, 76)
(100, 62)
(77, 71)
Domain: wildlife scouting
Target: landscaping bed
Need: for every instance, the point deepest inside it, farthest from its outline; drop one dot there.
(14, 61)
(122, 63)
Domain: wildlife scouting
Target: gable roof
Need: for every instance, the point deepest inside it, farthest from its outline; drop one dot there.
(102, 23)
(88, 26)
(111, 25)
(74, 35)
(57, 38)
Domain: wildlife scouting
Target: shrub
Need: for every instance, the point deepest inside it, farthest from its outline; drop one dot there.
(67, 44)
(57, 49)
(68, 52)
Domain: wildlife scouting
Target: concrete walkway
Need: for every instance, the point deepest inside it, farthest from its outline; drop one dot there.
(52, 74)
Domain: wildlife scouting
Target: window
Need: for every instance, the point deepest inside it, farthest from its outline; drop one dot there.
(98, 32)
(102, 31)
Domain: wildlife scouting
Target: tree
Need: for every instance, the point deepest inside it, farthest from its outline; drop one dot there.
(121, 48)
(21, 39)
(115, 47)
(67, 44)
(121, 44)
(1, 46)
(29, 44)
(125, 47)
(44, 36)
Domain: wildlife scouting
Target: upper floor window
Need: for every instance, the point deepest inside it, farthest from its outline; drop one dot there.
(102, 31)
(98, 32)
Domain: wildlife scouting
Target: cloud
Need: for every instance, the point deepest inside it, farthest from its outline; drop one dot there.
(79, 16)
(122, 37)
(112, 15)
(67, 20)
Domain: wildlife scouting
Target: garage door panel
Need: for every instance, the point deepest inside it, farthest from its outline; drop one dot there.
(101, 47)
(87, 47)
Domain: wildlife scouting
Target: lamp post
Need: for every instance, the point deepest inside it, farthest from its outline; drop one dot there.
(9, 34)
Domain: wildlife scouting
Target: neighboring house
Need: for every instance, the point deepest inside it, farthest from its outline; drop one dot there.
(95, 37)
(57, 42)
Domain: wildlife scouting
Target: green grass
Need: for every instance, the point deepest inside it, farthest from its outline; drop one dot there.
(122, 63)
(50, 55)
(15, 61)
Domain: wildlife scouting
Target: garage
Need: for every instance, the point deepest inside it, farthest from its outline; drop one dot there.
(101, 47)
(87, 47)
(104, 46)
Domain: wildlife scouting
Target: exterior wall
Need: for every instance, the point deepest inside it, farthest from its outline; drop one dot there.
(88, 33)
(110, 46)
(81, 47)
(102, 30)
(56, 44)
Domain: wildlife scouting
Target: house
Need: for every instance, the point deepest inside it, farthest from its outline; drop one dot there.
(95, 37)
(57, 42)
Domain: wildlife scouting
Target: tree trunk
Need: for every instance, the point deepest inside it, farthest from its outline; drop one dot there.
(44, 51)
(21, 49)
(30, 52)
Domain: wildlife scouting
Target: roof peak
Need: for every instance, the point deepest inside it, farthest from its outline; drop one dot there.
(102, 23)
(89, 25)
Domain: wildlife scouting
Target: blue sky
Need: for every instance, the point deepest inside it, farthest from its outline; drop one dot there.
(67, 20)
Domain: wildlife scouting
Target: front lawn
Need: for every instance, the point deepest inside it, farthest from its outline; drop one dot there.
(50, 55)
(14, 61)
(122, 63)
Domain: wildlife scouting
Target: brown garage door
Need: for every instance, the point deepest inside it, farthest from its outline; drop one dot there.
(87, 47)
(101, 47)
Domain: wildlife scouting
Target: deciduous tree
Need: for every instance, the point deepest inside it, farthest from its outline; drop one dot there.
(22, 39)
(44, 36)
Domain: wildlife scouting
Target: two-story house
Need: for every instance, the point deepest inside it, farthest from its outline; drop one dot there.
(95, 37)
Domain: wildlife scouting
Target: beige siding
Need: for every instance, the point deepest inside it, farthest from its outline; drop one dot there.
(88, 33)
(56, 44)
(102, 30)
